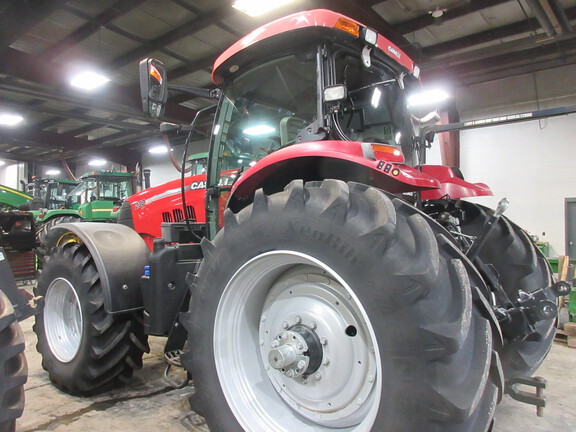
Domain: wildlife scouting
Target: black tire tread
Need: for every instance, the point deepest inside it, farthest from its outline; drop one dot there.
(43, 236)
(13, 367)
(115, 345)
(520, 266)
(455, 335)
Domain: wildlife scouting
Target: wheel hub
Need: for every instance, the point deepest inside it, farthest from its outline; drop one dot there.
(296, 352)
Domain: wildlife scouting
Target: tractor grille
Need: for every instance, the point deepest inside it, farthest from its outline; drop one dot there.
(177, 215)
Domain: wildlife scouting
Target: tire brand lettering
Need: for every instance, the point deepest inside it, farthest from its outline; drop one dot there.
(330, 240)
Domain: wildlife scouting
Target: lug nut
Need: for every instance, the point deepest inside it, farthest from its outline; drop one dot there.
(326, 361)
(298, 319)
(275, 343)
(301, 364)
(285, 325)
(313, 325)
(299, 346)
(284, 335)
(289, 373)
(323, 341)
(317, 376)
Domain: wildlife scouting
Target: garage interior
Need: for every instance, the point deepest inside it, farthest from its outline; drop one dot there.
(494, 58)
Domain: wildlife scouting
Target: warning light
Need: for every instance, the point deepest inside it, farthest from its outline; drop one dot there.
(348, 26)
(155, 73)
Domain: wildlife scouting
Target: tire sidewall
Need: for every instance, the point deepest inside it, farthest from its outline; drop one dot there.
(62, 268)
(374, 283)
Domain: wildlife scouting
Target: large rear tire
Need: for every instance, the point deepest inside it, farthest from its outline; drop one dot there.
(13, 367)
(45, 236)
(520, 266)
(335, 307)
(84, 349)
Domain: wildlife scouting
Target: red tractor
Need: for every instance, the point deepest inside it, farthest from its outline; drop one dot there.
(318, 278)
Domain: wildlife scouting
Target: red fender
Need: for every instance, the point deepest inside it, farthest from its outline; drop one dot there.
(344, 160)
(452, 184)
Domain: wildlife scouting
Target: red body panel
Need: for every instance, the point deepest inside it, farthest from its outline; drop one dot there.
(451, 184)
(151, 206)
(300, 20)
(404, 176)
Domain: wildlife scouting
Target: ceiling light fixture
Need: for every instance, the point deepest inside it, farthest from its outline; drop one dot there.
(258, 7)
(88, 80)
(10, 119)
(158, 149)
(53, 172)
(97, 162)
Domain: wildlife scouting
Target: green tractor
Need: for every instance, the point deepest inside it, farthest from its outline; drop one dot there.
(17, 233)
(48, 194)
(94, 199)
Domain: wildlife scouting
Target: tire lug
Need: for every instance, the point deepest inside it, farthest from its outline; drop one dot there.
(317, 376)
(298, 319)
(323, 341)
(301, 364)
(313, 325)
(263, 318)
(326, 361)
(370, 378)
(261, 342)
(289, 373)
(275, 343)
(299, 346)
(284, 336)
(285, 325)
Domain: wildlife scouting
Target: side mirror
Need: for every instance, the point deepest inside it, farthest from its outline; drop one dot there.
(153, 87)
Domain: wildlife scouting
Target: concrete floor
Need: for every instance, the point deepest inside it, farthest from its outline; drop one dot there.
(148, 404)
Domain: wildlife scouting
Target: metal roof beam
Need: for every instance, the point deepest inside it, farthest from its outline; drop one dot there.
(18, 17)
(426, 20)
(175, 35)
(488, 35)
(120, 8)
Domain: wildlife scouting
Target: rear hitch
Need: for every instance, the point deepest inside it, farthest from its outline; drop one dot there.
(517, 322)
(537, 399)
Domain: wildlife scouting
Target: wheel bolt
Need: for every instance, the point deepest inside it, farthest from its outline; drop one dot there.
(299, 346)
(285, 325)
(326, 361)
(284, 336)
(275, 343)
(298, 319)
(370, 378)
(323, 341)
(289, 373)
(317, 376)
(261, 342)
(313, 325)
(301, 364)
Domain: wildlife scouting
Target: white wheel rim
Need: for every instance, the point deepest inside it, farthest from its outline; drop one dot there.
(63, 321)
(270, 295)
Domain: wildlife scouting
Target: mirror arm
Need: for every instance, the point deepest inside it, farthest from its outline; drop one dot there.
(201, 92)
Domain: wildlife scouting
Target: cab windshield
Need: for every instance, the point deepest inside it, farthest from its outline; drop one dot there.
(56, 194)
(111, 189)
(263, 110)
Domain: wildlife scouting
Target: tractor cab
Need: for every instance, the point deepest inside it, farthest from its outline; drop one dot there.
(49, 193)
(99, 192)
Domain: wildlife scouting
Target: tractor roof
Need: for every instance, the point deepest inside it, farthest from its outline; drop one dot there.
(106, 174)
(299, 28)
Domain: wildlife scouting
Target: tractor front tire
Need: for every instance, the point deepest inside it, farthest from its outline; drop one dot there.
(333, 306)
(45, 237)
(84, 349)
(521, 267)
(13, 367)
